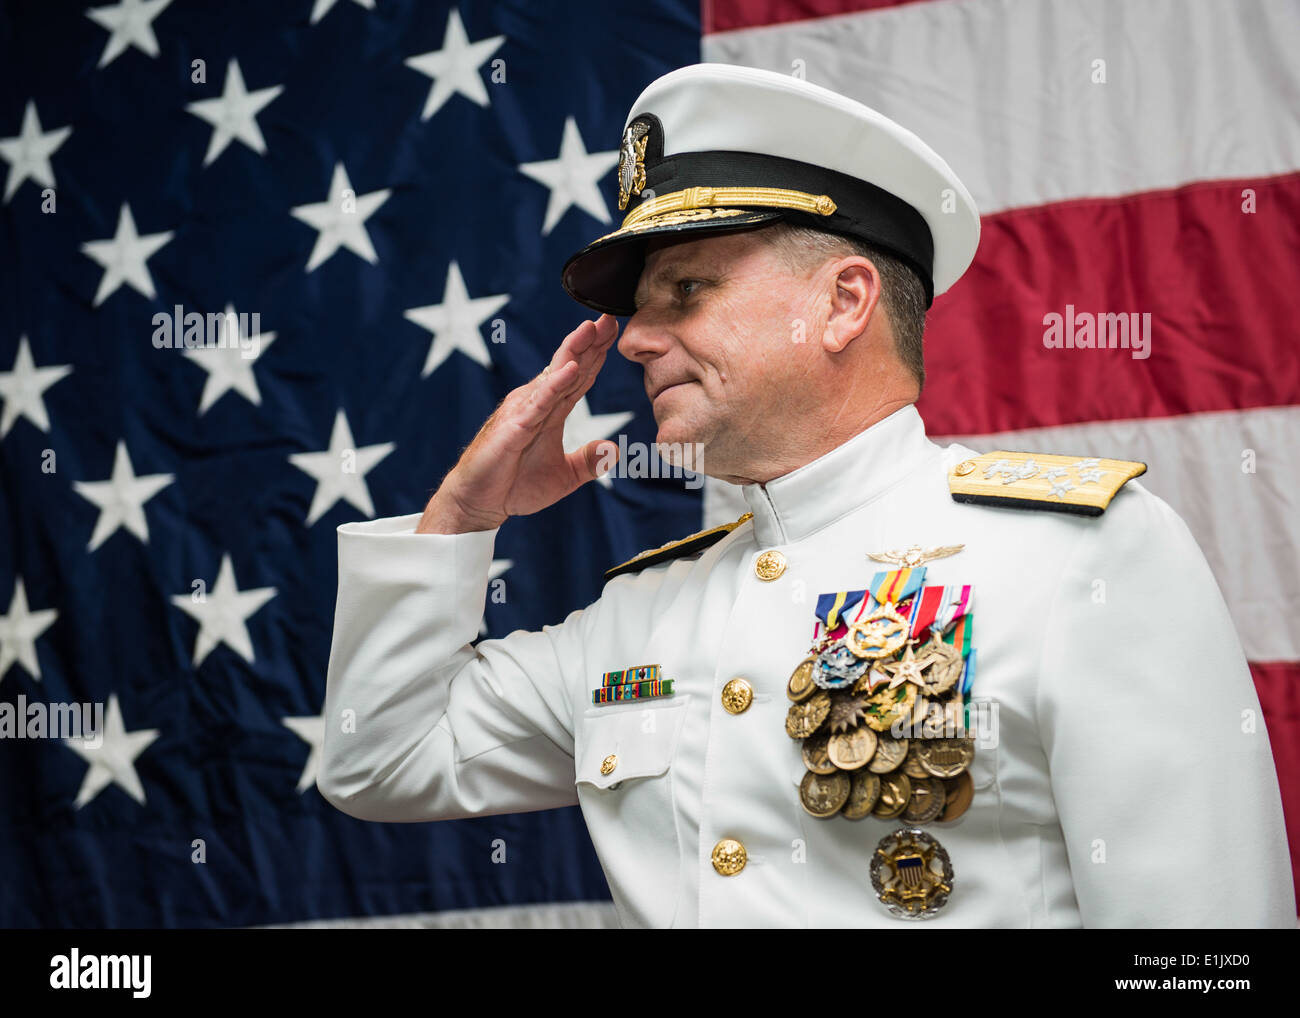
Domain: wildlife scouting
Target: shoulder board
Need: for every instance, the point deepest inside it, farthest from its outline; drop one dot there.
(1031, 480)
(676, 549)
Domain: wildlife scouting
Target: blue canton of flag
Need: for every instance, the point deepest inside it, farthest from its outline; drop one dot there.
(361, 208)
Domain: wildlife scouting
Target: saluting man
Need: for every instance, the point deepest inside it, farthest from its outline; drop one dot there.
(889, 692)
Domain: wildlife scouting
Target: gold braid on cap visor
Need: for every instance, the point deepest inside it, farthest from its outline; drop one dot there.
(707, 197)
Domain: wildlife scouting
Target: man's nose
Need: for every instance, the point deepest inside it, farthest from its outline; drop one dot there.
(642, 340)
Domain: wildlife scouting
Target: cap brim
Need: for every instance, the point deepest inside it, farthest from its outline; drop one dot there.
(604, 274)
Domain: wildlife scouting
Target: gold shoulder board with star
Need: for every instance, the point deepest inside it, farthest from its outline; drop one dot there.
(676, 549)
(1083, 485)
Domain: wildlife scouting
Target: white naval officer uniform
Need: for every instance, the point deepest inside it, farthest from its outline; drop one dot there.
(1124, 789)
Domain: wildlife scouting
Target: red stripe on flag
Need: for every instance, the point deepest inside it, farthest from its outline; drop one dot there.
(1219, 284)
(1278, 686)
(727, 15)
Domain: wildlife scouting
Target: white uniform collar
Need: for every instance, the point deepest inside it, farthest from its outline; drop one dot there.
(799, 503)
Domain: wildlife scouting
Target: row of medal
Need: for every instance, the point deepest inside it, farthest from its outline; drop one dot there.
(879, 707)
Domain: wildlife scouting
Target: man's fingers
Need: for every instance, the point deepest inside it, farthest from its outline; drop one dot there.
(547, 393)
(575, 343)
(593, 460)
(558, 387)
(582, 385)
(586, 341)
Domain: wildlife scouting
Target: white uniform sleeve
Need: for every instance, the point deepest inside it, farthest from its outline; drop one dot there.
(419, 725)
(1159, 760)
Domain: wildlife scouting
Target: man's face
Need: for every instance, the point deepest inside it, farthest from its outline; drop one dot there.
(720, 331)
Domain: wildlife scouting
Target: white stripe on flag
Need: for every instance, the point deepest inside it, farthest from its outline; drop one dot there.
(1004, 90)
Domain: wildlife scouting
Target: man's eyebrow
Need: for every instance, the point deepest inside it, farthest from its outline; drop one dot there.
(658, 274)
(670, 267)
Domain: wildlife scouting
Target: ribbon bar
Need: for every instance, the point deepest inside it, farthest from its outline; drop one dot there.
(633, 691)
(628, 676)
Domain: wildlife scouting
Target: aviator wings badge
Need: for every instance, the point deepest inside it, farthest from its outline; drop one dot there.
(915, 555)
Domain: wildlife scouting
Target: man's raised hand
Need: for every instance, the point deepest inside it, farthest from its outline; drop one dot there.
(516, 464)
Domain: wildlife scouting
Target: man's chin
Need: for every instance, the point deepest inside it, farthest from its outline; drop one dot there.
(673, 432)
(678, 444)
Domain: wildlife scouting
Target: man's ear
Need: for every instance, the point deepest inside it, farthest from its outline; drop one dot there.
(856, 293)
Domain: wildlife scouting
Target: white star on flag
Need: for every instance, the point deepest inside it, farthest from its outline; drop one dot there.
(497, 568)
(228, 364)
(341, 220)
(322, 8)
(455, 323)
(233, 116)
(573, 177)
(121, 499)
(28, 152)
(113, 759)
(312, 731)
(455, 67)
(222, 613)
(19, 629)
(340, 471)
(131, 24)
(582, 426)
(23, 389)
(123, 258)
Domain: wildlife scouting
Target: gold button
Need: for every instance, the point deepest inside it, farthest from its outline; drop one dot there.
(737, 695)
(729, 857)
(608, 764)
(964, 467)
(769, 565)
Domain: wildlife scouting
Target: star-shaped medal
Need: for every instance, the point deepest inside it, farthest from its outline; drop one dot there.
(847, 711)
(905, 669)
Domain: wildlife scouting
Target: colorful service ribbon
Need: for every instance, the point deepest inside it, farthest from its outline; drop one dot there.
(628, 676)
(894, 586)
(939, 608)
(632, 691)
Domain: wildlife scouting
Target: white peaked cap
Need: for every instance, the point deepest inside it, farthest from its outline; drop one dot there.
(715, 147)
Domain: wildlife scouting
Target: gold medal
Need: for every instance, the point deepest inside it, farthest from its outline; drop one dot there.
(879, 635)
(805, 718)
(814, 754)
(890, 752)
(911, 874)
(946, 758)
(850, 750)
(941, 665)
(927, 801)
(912, 763)
(887, 706)
(822, 795)
(906, 669)
(801, 685)
(895, 790)
(864, 790)
(958, 792)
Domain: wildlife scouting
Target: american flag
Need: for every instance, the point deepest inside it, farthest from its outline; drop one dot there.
(383, 192)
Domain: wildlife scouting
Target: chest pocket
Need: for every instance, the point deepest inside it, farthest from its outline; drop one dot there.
(627, 741)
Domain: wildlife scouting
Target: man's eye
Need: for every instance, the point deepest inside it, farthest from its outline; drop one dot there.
(686, 287)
